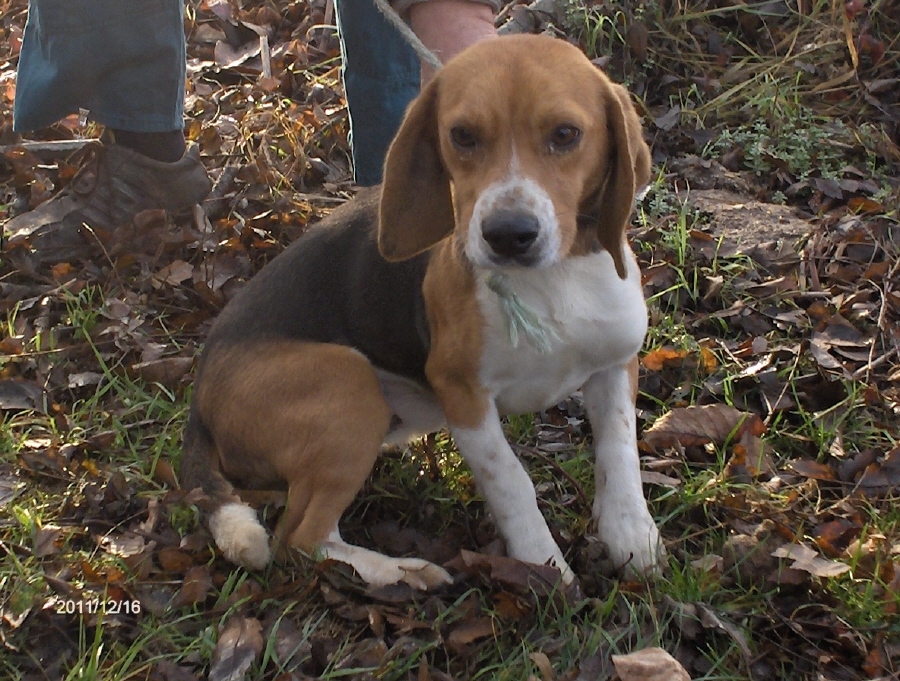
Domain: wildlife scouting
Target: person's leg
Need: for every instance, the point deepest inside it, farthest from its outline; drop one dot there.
(123, 62)
(120, 60)
(381, 77)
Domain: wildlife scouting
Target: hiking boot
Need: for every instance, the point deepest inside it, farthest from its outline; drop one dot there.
(113, 186)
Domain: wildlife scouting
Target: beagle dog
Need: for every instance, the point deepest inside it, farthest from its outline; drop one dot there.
(489, 275)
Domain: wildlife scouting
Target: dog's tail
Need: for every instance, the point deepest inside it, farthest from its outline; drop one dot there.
(234, 525)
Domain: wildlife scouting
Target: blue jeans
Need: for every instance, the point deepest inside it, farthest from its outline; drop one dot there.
(122, 60)
(381, 77)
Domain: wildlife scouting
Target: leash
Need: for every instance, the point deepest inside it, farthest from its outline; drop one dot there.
(411, 38)
(520, 318)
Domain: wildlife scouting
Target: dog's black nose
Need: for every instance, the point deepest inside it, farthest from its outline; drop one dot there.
(510, 232)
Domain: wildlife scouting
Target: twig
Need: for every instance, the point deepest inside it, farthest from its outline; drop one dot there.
(49, 147)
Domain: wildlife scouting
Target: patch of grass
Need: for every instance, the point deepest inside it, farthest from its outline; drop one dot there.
(847, 423)
(800, 146)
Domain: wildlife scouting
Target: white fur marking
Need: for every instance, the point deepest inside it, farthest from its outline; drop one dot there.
(620, 511)
(417, 407)
(380, 570)
(593, 320)
(515, 191)
(238, 533)
(509, 493)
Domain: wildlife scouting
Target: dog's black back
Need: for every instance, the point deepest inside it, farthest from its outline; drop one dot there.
(333, 286)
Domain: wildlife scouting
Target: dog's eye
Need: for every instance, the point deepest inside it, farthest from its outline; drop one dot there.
(564, 137)
(463, 138)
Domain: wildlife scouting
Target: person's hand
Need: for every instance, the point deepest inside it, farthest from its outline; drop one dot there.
(447, 27)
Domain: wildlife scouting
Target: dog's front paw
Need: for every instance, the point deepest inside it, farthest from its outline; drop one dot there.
(632, 541)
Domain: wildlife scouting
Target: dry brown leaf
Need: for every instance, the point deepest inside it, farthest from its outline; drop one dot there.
(700, 425)
(710, 620)
(163, 473)
(174, 560)
(45, 541)
(708, 359)
(656, 478)
(882, 475)
(834, 536)
(809, 560)
(168, 371)
(175, 273)
(195, 588)
(470, 631)
(650, 664)
(656, 359)
(104, 575)
(542, 662)
(166, 670)
(424, 670)
(124, 545)
(240, 643)
(16, 395)
(511, 573)
(812, 469)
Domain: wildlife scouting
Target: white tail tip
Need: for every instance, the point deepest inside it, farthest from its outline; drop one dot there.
(240, 536)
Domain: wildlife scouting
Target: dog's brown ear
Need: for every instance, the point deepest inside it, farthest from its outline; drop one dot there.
(416, 202)
(628, 171)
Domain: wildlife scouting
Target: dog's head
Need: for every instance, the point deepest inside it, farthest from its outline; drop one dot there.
(523, 147)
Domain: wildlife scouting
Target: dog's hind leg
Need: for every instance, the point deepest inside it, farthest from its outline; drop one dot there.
(334, 409)
(380, 570)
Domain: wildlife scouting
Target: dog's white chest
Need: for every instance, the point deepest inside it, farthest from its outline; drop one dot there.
(592, 319)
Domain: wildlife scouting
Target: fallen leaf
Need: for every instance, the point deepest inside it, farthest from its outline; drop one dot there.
(700, 425)
(470, 631)
(710, 620)
(594, 668)
(882, 475)
(174, 560)
(195, 588)
(239, 644)
(291, 644)
(809, 560)
(45, 541)
(20, 395)
(10, 486)
(669, 119)
(812, 469)
(650, 664)
(123, 545)
(656, 359)
(833, 537)
(166, 670)
(542, 662)
(175, 273)
(84, 378)
(709, 563)
(106, 575)
(656, 478)
(167, 371)
(509, 572)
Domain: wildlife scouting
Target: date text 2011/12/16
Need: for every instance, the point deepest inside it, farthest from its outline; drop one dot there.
(98, 605)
